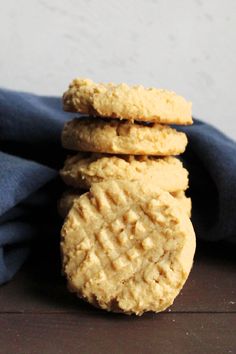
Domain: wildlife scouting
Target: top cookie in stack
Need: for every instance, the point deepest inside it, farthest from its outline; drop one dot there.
(128, 244)
(125, 102)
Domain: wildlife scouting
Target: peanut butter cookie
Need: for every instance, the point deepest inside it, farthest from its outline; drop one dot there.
(122, 137)
(127, 247)
(127, 102)
(83, 169)
(68, 197)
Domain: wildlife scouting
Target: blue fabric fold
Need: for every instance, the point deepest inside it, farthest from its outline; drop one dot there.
(211, 161)
(31, 154)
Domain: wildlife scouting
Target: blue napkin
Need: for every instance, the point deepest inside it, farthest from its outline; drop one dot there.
(31, 154)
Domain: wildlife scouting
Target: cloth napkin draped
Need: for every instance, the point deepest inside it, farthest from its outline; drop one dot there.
(31, 155)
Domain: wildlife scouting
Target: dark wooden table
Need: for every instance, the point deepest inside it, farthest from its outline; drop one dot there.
(38, 315)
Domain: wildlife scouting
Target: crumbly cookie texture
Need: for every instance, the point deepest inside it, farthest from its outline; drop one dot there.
(127, 102)
(84, 169)
(127, 247)
(185, 203)
(122, 137)
(68, 197)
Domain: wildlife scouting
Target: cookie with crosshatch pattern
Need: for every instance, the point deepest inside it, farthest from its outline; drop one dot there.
(69, 196)
(127, 247)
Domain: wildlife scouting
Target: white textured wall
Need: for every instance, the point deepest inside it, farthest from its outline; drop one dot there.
(185, 45)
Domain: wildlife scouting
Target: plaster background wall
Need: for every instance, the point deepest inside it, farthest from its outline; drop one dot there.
(188, 46)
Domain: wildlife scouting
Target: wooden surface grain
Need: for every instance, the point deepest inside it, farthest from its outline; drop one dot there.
(39, 316)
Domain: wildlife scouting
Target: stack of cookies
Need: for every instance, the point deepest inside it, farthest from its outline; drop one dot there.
(127, 240)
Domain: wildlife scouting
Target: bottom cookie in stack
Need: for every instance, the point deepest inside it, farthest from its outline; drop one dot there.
(127, 247)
